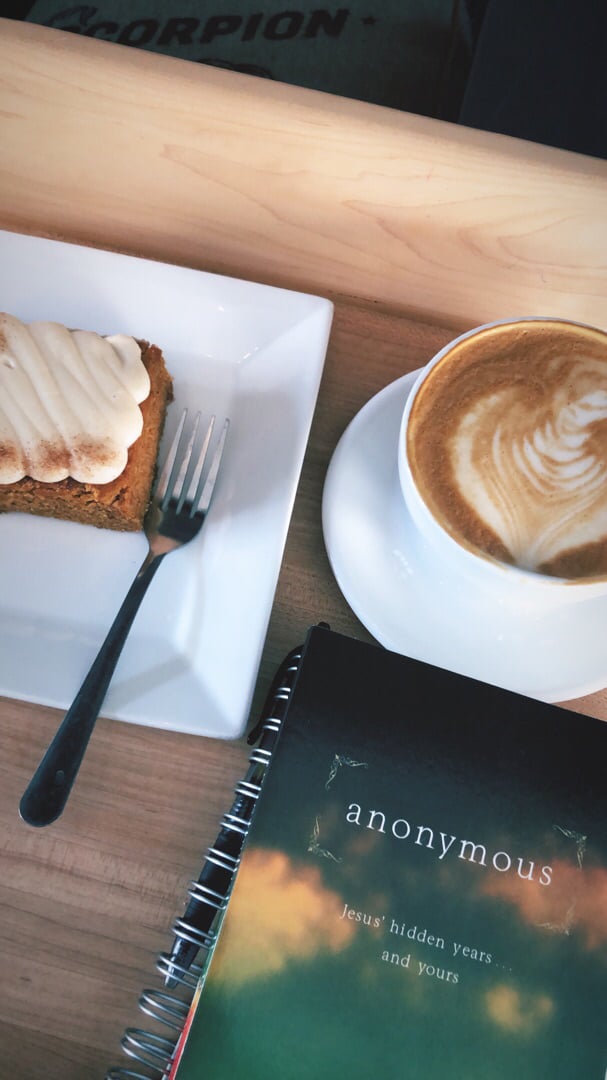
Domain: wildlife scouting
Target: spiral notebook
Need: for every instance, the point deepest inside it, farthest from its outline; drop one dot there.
(421, 891)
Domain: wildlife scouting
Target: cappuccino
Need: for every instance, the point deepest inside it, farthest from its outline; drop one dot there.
(506, 442)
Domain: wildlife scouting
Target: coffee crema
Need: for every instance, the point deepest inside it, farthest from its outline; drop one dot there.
(507, 445)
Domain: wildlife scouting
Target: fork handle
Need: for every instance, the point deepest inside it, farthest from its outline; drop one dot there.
(47, 793)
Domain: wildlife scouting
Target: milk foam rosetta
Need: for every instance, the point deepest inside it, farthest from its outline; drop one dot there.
(523, 444)
(69, 402)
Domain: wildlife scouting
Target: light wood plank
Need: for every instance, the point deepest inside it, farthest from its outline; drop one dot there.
(139, 152)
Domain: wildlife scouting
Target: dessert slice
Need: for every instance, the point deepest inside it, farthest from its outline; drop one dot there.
(80, 422)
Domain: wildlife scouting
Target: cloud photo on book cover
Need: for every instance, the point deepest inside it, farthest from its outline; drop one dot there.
(417, 893)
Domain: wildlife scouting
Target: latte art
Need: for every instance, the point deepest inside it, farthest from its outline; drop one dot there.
(508, 446)
(542, 487)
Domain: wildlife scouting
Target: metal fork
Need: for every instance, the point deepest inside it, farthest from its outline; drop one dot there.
(177, 511)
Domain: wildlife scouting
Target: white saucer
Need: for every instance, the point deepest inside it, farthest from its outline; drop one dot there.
(407, 599)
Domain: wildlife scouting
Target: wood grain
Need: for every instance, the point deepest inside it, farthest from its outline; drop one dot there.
(395, 218)
(139, 152)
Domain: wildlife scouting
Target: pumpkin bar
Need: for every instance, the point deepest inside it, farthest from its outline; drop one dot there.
(48, 396)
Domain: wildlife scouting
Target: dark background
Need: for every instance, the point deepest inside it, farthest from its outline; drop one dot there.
(535, 69)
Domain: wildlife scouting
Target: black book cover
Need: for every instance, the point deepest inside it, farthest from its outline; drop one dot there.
(424, 888)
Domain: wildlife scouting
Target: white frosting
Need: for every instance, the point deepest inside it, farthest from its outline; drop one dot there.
(530, 469)
(69, 402)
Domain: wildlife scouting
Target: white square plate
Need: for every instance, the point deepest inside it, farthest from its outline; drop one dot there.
(236, 349)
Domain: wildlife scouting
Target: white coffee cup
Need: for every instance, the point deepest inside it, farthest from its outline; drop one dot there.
(506, 581)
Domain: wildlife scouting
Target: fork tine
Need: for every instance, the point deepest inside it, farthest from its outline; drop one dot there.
(195, 480)
(201, 501)
(167, 468)
(178, 489)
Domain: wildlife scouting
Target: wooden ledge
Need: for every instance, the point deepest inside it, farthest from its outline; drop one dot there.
(122, 148)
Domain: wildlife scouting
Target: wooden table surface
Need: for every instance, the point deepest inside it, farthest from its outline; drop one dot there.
(415, 229)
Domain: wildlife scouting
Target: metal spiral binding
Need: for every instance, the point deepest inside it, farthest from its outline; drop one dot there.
(187, 977)
(164, 1007)
(127, 1074)
(201, 939)
(155, 1051)
(147, 1048)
